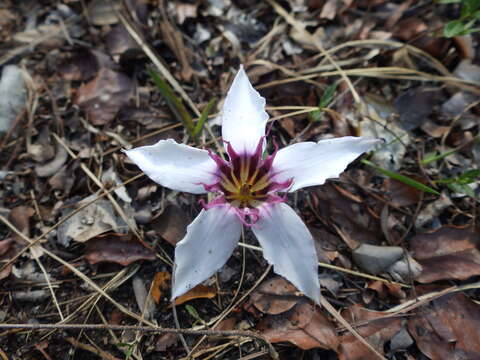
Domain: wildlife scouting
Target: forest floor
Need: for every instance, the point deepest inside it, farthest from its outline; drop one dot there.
(87, 240)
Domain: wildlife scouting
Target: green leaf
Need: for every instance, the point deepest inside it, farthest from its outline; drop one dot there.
(402, 178)
(203, 117)
(316, 115)
(327, 96)
(193, 313)
(173, 102)
(454, 28)
(448, 1)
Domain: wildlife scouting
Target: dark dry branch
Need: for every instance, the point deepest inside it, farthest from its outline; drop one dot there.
(147, 329)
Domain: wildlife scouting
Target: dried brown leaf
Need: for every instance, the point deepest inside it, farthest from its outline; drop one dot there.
(403, 195)
(373, 326)
(120, 249)
(104, 95)
(172, 224)
(448, 328)
(274, 296)
(448, 253)
(304, 326)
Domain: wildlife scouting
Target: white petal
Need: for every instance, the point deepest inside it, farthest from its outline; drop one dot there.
(209, 242)
(310, 163)
(176, 166)
(288, 245)
(243, 115)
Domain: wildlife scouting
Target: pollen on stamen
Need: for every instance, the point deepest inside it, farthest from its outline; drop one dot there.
(245, 181)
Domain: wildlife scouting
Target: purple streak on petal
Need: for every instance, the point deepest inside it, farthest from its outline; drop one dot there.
(279, 186)
(218, 201)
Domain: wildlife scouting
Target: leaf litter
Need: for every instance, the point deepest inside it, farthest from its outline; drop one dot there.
(381, 242)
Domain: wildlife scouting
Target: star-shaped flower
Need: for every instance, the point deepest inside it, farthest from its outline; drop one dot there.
(246, 187)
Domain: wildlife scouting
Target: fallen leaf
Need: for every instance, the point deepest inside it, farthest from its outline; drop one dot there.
(198, 292)
(13, 96)
(93, 220)
(448, 253)
(104, 95)
(119, 41)
(304, 326)
(360, 226)
(53, 166)
(401, 194)
(447, 328)
(160, 283)
(275, 296)
(371, 325)
(414, 105)
(84, 64)
(172, 224)
(116, 248)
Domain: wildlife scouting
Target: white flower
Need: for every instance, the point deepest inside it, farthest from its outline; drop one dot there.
(246, 186)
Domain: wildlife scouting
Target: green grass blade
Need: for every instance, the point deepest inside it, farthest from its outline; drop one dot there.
(203, 117)
(402, 178)
(173, 102)
(434, 157)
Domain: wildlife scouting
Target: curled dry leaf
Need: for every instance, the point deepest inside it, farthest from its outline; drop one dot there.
(448, 328)
(198, 292)
(53, 166)
(373, 326)
(448, 253)
(304, 326)
(274, 296)
(160, 284)
(116, 248)
(104, 95)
